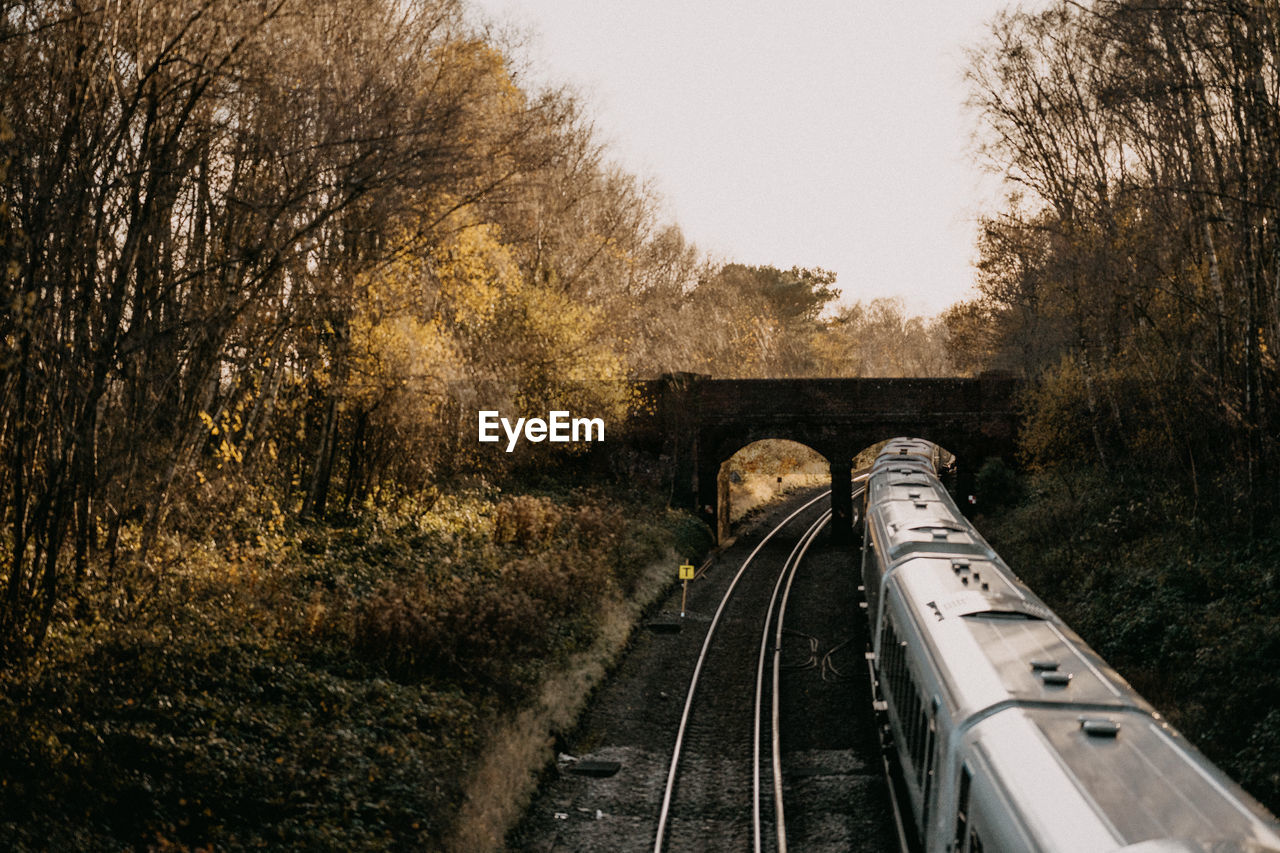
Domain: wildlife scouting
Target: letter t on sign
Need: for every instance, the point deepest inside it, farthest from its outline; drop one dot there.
(686, 575)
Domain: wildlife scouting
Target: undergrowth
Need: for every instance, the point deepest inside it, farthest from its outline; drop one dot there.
(319, 687)
(1183, 604)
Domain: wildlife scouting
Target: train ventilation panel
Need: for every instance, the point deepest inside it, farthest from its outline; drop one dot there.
(1099, 727)
(979, 603)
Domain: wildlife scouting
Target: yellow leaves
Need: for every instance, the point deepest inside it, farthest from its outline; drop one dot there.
(475, 270)
(226, 425)
(228, 452)
(463, 316)
(394, 346)
(481, 69)
(565, 334)
(275, 518)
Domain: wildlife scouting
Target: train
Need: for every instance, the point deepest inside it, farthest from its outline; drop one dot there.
(1003, 731)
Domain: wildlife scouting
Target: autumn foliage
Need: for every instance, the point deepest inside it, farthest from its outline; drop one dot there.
(269, 259)
(1132, 274)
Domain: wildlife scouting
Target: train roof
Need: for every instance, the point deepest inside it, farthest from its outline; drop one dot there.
(1040, 705)
(904, 464)
(995, 643)
(912, 485)
(912, 447)
(1139, 780)
(904, 527)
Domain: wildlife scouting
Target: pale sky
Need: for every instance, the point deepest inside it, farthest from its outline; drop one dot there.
(814, 133)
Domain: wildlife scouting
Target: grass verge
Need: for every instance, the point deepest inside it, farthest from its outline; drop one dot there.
(506, 773)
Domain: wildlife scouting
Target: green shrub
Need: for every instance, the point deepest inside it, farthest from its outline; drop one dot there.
(996, 485)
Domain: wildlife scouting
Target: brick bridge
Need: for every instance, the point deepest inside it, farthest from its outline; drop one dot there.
(705, 421)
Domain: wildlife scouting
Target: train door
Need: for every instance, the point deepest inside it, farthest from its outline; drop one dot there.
(926, 767)
(871, 575)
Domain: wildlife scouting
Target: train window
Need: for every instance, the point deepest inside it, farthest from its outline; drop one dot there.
(899, 671)
(902, 695)
(889, 653)
(962, 807)
(927, 771)
(893, 667)
(896, 673)
(914, 716)
(890, 647)
(900, 668)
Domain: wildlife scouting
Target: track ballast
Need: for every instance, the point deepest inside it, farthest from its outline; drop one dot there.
(833, 790)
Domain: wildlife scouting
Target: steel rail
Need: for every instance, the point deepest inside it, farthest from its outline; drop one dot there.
(779, 818)
(697, 671)
(787, 572)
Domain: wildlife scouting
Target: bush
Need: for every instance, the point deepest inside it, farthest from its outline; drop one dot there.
(996, 485)
(319, 688)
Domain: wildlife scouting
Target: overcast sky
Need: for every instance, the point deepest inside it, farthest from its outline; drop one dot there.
(816, 133)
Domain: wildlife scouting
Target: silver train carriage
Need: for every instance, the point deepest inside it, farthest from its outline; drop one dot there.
(1007, 731)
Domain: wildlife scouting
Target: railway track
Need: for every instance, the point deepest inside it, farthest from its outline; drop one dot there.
(745, 728)
(786, 573)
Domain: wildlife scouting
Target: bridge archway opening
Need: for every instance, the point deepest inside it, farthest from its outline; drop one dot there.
(759, 471)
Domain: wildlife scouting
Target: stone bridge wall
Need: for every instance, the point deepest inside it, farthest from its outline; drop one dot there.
(704, 421)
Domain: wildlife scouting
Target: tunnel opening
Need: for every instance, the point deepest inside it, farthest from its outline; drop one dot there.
(759, 472)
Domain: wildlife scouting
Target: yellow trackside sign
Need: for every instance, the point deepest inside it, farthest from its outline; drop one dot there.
(686, 572)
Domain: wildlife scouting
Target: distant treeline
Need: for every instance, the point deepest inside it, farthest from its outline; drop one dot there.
(263, 260)
(1135, 272)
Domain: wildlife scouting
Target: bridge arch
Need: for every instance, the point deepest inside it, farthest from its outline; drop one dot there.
(801, 455)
